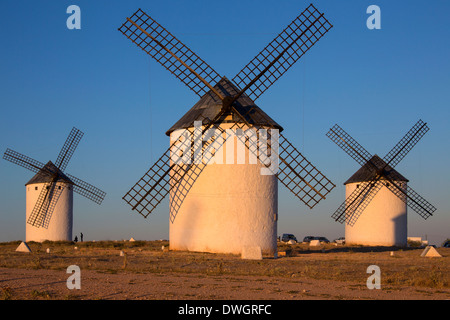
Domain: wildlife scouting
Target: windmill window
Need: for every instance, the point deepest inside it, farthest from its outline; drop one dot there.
(357, 186)
(59, 187)
(35, 188)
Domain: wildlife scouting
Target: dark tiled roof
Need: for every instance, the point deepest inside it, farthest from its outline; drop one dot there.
(46, 174)
(367, 172)
(210, 105)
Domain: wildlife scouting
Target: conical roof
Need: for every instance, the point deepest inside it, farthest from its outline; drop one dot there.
(210, 105)
(47, 173)
(367, 173)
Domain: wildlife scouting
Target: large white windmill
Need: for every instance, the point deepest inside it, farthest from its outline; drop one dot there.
(228, 206)
(379, 191)
(49, 194)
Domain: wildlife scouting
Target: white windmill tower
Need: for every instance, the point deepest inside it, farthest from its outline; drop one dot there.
(231, 199)
(59, 188)
(49, 194)
(384, 222)
(231, 205)
(379, 191)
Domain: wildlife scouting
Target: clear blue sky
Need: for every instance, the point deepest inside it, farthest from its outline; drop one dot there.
(374, 83)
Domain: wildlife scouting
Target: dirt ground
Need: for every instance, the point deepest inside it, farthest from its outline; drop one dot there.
(147, 271)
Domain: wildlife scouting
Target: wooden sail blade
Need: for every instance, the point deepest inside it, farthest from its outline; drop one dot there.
(416, 202)
(45, 205)
(411, 138)
(170, 52)
(354, 205)
(294, 171)
(68, 148)
(282, 53)
(349, 145)
(87, 190)
(22, 160)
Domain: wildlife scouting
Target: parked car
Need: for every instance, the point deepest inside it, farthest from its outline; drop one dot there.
(287, 236)
(340, 240)
(321, 239)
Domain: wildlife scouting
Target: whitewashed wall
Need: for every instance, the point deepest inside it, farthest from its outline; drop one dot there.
(60, 227)
(229, 207)
(383, 222)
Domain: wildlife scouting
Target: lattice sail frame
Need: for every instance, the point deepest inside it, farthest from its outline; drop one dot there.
(286, 49)
(45, 205)
(87, 190)
(294, 171)
(23, 160)
(49, 195)
(401, 149)
(350, 210)
(153, 42)
(68, 148)
(156, 182)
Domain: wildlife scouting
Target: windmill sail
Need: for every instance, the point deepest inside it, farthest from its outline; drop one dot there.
(22, 160)
(46, 203)
(68, 149)
(168, 51)
(280, 54)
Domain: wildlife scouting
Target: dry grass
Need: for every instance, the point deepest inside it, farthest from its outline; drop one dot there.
(327, 262)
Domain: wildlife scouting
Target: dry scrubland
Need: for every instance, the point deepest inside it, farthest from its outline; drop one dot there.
(146, 271)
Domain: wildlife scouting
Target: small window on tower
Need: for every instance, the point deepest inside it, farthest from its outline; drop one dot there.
(357, 186)
(59, 187)
(35, 188)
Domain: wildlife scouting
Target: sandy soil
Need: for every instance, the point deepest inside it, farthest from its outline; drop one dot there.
(51, 284)
(153, 274)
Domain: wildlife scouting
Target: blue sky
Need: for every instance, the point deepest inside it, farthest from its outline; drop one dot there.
(374, 83)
